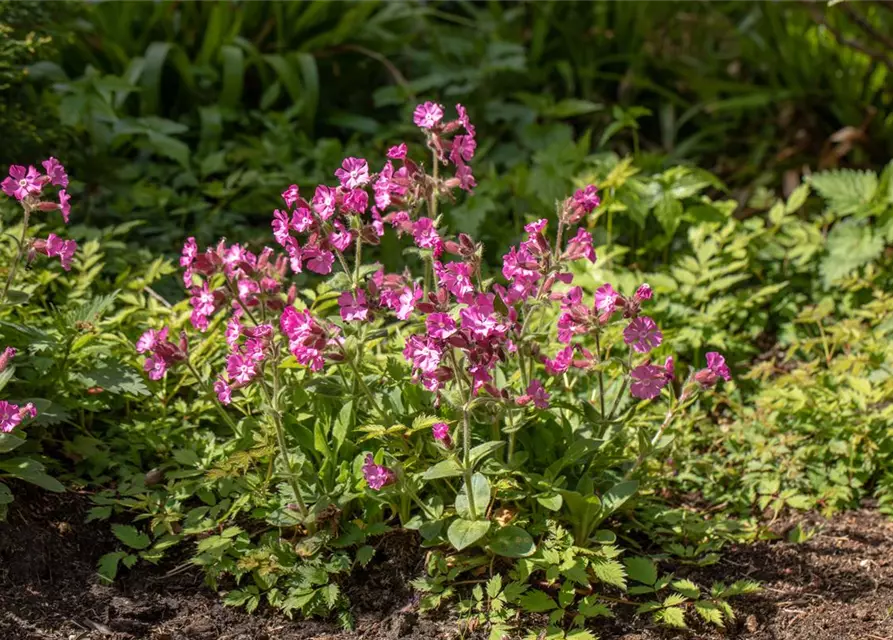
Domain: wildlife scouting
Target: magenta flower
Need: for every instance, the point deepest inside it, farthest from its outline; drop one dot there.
(716, 369)
(11, 415)
(155, 366)
(397, 152)
(425, 234)
(423, 353)
(427, 115)
(223, 390)
(306, 339)
(291, 195)
(535, 393)
(642, 334)
(56, 246)
(280, 226)
(465, 177)
(21, 182)
(295, 257)
(353, 306)
(647, 381)
(341, 238)
(318, 261)
(301, 220)
(440, 326)
(324, 201)
(356, 200)
(463, 149)
(561, 363)
(6, 357)
(55, 172)
(407, 300)
(233, 332)
(376, 475)
(587, 198)
(64, 206)
(455, 277)
(441, 433)
(150, 340)
(644, 292)
(580, 246)
(479, 319)
(606, 299)
(534, 229)
(240, 369)
(354, 172)
(668, 368)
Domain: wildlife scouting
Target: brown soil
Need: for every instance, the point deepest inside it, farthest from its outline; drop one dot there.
(837, 586)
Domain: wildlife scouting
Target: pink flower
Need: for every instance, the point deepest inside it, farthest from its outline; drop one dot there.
(716, 369)
(642, 334)
(440, 326)
(465, 177)
(233, 332)
(561, 363)
(21, 182)
(56, 172)
(301, 220)
(280, 226)
(223, 390)
(155, 366)
(479, 319)
(8, 354)
(463, 119)
(534, 229)
(455, 277)
(291, 195)
(606, 299)
(425, 234)
(580, 246)
(241, 369)
(427, 115)
(353, 306)
(537, 393)
(306, 339)
(318, 261)
(56, 246)
(463, 149)
(423, 353)
(10, 417)
(668, 368)
(441, 433)
(341, 238)
(64, 207)
(406, 301)
(376, 475)
(587, 198)
(354, 172)
(644, 292)
(324, 201)
(150, 340)
(187, 258)
(398, 152)
(647, 381)
(519, 263)
(356, 200)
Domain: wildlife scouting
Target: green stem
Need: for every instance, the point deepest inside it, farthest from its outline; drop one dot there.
(19, 252)
(466, 460)
(601, 377)
(209, 389)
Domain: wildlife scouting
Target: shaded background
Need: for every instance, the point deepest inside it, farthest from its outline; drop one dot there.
(192, 116)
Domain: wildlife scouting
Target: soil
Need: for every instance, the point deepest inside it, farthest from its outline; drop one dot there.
(836, 586)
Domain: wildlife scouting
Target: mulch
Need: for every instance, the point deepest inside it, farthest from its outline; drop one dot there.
(836, 586)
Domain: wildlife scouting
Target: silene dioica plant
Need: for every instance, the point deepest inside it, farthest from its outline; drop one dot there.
(478, 410)
(32, 189)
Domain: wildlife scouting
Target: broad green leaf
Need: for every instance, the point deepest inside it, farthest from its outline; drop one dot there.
(481, 493)
(463, 533)
(10, 441)
(342, 424)
(5, 494)
(482, 450)
(551, 502)
(31, 471)
(512, 542)
(617, 495)
(131, 537)
(445, 469)
(108, 564)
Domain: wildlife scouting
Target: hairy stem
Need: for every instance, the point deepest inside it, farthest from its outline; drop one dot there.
(21, 250)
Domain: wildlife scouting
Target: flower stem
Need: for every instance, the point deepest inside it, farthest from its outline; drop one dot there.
(210, 390)
(21, 250)
(601, 377)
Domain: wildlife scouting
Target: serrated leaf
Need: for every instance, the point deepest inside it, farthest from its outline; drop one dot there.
(672, 617)
(609, 572)
(364, 554)
(710, 613)
(846, 190)
(131, 537)
(674, 599)
(850, 245)
(536, 601)
(641, 570)
(108, 565)
(494, 586)
(687, 588)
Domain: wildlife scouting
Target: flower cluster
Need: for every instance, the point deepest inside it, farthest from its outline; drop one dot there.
(28, 186)
(11, 415)
(162, 353)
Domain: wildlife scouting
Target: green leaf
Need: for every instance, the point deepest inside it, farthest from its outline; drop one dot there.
(668, 213)
(108, 564)
(482, 450)
(551, 502)
(797, 198)
(463, 533)
(494, 586)
(31, 471)
(617, 495)
(342, 424)
(851, 244)
(672, 617)
(15, 297)
(10, 441)
(536, 601)
(687, 588)
(480, 487)
(446, 469)
(609, 572)
(131, 537)
(512, 542)
(641, 570)
(5, 494)
(590, 607)
(846, 190)
(709, 612)
(364, 554)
